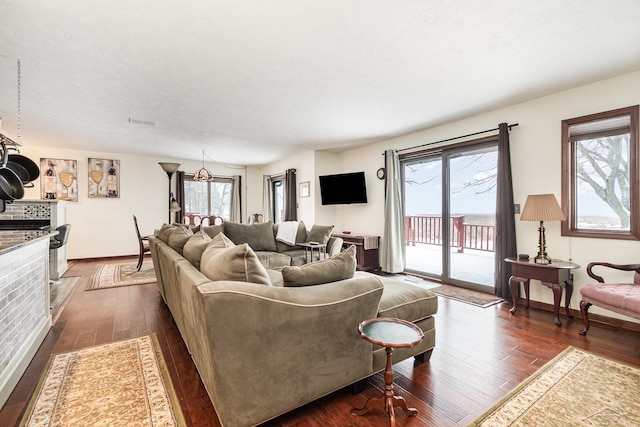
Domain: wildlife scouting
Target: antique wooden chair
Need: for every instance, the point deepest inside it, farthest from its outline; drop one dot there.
(623, 298)
(212, 220)
(255, 218)
(143, 242)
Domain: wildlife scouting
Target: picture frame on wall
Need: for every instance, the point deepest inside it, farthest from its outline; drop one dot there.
(304, 189)
(59, 179)
(103, 178)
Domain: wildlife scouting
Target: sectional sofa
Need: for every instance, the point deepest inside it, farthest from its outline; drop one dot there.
(266, 341)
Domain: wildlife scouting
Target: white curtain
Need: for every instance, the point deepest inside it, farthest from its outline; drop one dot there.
(392, 250)
(236, 210)
(267, 198)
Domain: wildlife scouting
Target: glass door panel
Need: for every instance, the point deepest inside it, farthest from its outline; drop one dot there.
(449, 207)
(472, 204)
(423, 215)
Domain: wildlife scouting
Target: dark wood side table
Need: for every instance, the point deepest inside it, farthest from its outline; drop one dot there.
(389, 333)
(555, 276)
(308, 250)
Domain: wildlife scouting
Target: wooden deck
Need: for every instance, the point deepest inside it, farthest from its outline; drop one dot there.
(480, 355)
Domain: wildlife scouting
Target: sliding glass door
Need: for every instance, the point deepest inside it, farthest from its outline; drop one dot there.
(449, 204)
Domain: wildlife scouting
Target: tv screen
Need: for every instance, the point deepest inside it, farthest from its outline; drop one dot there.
(342, 189)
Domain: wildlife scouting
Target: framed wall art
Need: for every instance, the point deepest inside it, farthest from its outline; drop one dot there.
(304, 189)
(104, 178)
(59, 179)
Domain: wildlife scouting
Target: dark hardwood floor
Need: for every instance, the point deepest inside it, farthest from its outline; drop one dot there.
(480, 355)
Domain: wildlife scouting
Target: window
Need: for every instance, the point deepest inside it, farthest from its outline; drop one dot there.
(208, 198)
(277, 189)
(600, 175)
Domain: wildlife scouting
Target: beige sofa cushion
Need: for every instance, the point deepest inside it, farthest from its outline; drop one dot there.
(195, 247)
(259, 236)
(338, 267)
(320, 233)
(165, 231)
(179, 237)
(222, 260)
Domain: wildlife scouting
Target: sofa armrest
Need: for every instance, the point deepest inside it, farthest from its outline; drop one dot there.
(280, 348)
(334, 245)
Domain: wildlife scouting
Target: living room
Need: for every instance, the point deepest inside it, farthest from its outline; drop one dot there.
(102, 227)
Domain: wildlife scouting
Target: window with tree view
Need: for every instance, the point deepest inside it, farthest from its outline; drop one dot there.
(208, 198)
(600, 175)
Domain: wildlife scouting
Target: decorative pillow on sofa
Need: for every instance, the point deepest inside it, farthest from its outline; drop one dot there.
(194, 248)
(238, 263)
(165, 231)
(179, 237)
(338, 267)
(258, 236)
(212, 230)
(320, 233)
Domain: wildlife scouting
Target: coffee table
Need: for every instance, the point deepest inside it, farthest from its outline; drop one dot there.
(389, 333)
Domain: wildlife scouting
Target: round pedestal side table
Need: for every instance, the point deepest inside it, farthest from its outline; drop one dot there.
(389, 333)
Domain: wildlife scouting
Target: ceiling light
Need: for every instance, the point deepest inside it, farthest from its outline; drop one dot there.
(202, 175)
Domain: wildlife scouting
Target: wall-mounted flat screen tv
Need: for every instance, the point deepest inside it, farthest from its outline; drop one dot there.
(342, 189)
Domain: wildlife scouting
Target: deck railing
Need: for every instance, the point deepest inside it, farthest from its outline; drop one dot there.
(426, 229)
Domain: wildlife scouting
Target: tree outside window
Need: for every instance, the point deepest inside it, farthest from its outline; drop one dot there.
(600, 175)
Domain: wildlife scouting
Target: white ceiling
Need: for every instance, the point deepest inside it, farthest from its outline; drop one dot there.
(253, 81)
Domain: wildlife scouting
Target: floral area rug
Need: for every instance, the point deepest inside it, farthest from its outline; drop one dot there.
(113, 275)
(124, 383)
(576, 388)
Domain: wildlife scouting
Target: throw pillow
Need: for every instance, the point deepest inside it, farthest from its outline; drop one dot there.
(338, 267)
(258, 236)
(218, 243)
(238, 263)
(195, 247)
(179, 237)
(212, 230)
(165, 231)
(320, 233)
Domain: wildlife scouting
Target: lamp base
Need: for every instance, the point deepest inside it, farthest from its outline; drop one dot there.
(542, 259)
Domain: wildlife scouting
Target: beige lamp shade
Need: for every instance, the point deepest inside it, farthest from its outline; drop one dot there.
(168, 167)
(542, 207)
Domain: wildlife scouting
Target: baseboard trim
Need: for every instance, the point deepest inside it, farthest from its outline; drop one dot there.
(593, 318)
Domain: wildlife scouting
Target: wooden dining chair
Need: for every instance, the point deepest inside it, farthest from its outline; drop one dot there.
(143, 242)
(255, 218)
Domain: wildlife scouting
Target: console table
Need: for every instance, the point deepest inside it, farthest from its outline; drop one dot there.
(555, 276)
(366, 249)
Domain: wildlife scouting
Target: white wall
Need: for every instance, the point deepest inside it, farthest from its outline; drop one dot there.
(303, 163)
(104, 227)
(536, 163)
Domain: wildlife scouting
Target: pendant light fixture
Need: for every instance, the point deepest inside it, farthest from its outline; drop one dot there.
(202, 175)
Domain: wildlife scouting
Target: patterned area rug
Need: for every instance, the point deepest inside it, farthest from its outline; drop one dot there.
(123, 383)
(113, 275)
(576, 388)
(481, 299)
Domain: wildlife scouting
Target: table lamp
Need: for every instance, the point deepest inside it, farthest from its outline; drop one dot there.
(542, 207)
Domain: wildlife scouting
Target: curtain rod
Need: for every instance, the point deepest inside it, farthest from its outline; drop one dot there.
(454, 138)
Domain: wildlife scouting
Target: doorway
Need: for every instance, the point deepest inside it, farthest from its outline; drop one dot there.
(449, 205)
